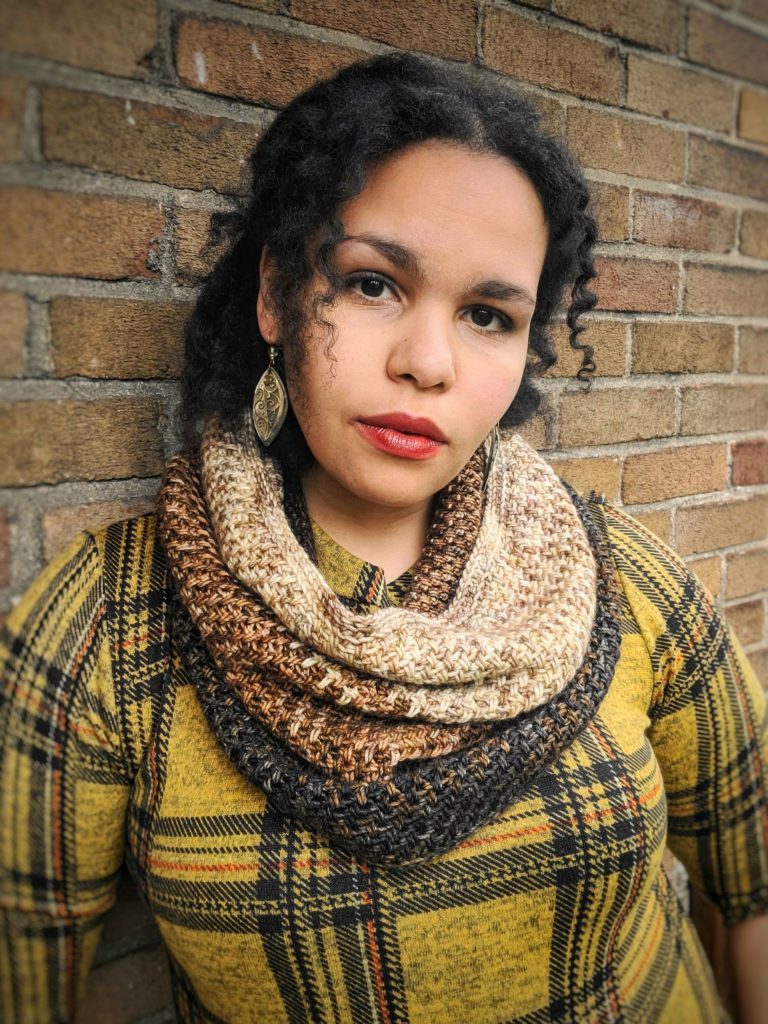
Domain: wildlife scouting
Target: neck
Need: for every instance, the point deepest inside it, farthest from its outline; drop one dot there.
(390, 537)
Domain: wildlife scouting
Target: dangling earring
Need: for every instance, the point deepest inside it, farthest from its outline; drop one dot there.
(492, 447)
(270, 402)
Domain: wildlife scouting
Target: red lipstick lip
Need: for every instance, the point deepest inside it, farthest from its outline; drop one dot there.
(407, 424)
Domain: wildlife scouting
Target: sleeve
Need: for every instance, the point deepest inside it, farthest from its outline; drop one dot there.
(63, 787)
(709, 727)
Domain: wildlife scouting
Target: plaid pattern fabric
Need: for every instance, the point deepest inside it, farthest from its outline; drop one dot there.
(559, 910)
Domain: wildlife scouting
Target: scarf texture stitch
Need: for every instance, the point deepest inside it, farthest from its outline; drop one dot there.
(362, 726)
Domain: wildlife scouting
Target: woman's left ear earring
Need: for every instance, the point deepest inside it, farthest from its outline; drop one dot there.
(270, 402)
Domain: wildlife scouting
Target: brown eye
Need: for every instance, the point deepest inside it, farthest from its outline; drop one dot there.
(372, 287)
(483, 317)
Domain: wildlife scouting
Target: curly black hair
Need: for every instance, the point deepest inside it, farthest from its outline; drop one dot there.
(316, 155)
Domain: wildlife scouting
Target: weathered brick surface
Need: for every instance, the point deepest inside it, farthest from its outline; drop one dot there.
(654, 22)
(127, 989)
(85, 236)
(5, 549)
(709, 571)
(721, 524)
(753, 115)
(253, 63)
(585, 475)
(720, 44)
(192, 228)
(616, 414)
(117, 337)
(49, 441)
(674, 472)
(679, 94)
(754, 234)
(658, 521)
(626, 145)
(747, 619)
(60, 525)
(747, 572)
(753, 350)
(721, 408)
(552, 111)
(610, 204)
(754, 9)
(607, 337)
(13, 93)
(271, 6)
(447, 28)
(732, 169)
(535, 431)
(627, 283)
(682, 347)
(141, 140)
(750, 464)
(110, 35)
(683, 222)
(725, 290)
(13, 327)
(758, 659)
(543, 53)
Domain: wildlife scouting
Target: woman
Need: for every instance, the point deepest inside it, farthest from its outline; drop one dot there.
(387, 723)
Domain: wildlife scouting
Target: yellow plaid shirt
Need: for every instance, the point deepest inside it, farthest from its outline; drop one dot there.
(560, 910)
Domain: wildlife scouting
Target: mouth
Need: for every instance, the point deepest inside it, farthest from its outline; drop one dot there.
(403, 436)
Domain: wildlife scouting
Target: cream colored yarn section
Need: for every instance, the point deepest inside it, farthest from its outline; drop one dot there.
(514, 634)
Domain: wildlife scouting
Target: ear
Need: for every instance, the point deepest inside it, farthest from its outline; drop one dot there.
(265, 314)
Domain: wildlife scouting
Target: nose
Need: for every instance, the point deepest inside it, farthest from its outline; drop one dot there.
(423, 350)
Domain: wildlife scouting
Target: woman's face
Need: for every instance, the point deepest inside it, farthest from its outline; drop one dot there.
(442, 254)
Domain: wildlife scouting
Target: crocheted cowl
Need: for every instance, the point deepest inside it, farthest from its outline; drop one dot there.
(399, 732)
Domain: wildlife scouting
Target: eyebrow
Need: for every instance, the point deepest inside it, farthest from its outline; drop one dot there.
(406, 259)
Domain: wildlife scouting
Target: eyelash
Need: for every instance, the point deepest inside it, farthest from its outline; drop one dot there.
(506, 323)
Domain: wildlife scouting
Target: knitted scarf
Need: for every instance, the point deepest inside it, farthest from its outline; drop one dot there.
(400, 732)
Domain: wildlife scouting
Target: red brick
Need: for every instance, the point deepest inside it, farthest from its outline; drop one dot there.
(753, 350)
(709, 571)
(753, 115)
(727, 47)
(721, 524)
(144, 141)
(725, 290)
(733, 169)
(750, 463)
(607, 337)
(610, 204)
(679, 94)
(61, 525)
(659, 522)
(682, 222)
(639, 285)
(540, 52)
(50, 442)
(447, 28)
(723, 408)
(5, 549)
(747, 620)
(117, 337)
(653, 22)
(193, 261)
(585, 475)
(674, 472)
(747, 572)
(110, 35)
(682, 347)
(754, 234)
(612, 415)
(626, 145)
(13, 92)
(254, 63)
(127, 989)
(13, 328)
(78, 235)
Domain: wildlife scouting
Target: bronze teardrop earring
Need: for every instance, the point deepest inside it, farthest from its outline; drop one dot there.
(270, 402)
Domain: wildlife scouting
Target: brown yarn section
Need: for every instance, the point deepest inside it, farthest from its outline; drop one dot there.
(268, 669)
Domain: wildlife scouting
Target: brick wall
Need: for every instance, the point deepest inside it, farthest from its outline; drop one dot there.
(122, 126)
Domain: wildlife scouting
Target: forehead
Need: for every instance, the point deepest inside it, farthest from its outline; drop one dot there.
(442, 199)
